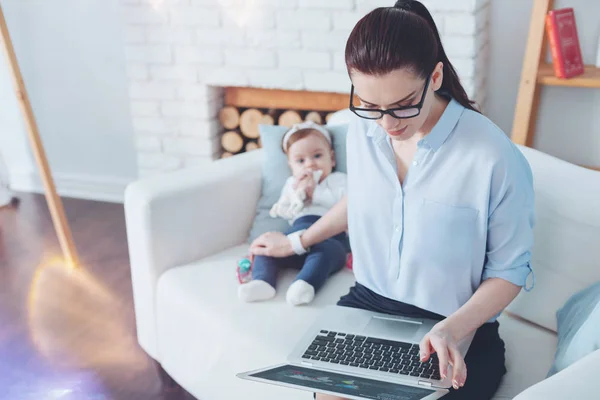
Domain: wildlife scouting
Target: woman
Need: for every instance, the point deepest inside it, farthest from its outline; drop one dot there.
(439, 206)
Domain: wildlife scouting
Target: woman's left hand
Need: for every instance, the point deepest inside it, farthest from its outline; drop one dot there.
(272, 244)
(440, 340)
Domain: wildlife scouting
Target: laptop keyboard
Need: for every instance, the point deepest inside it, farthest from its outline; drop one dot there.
(371, 353)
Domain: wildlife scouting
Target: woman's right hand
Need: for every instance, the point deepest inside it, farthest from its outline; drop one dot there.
(272, 244)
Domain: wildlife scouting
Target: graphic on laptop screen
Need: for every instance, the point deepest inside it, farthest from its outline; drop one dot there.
(350, 385)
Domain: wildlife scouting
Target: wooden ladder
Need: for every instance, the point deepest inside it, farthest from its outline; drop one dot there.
(537, 73)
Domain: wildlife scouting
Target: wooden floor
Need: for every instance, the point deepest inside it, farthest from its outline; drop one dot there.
(69, 334)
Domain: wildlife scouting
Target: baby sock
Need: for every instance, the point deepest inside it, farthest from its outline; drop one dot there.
(300, 292)
(255, 291)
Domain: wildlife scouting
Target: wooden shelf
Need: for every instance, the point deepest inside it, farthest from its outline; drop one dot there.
(589, 79)
(285, 99)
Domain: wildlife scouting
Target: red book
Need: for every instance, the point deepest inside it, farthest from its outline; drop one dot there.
(564, 43)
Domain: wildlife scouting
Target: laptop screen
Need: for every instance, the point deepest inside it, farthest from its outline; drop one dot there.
(342, 384)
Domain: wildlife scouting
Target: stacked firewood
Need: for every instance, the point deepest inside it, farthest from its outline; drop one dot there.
(241, 131)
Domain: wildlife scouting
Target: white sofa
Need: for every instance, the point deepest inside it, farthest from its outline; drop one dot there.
(186, 230)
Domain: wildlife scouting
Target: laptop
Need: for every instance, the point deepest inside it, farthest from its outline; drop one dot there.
(359, 354)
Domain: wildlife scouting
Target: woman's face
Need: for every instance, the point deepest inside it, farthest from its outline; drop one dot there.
(397, 89)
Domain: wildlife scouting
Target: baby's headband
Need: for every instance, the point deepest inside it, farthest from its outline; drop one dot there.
(305, 125)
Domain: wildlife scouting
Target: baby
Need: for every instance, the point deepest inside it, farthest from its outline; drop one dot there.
(306, 196)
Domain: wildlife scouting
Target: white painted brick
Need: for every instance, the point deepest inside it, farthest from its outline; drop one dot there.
(455, 5)
(275, 79)
(202, 3)
(482, 38)
(145, 108)
(249, 58)
(365, 6)
(137, 72)
(482, 3)
(189, 146)
(169, 35)
(199, 92)
(207, 55)
(318, 41)
(304, 59)
(179, 108)
(163, 5)
(244, 17)
(158, 161)
(482, 17)
(156, 54)
(228, 76)
(459, 46)
(469, 86)
(460, 24)
(465, 67)
(220, 36)
(197, 161)
(160, 4)
(339, 61)
(440, 22)
(134, 35)
(281, 4)
(192, 109)
(273, 39)
(151, 91)
(304, 20)
(327, 81)
(195, 16)
(201, 129)
(331, 4)
(346, 19)
(149, 144)
(249, 5)
(143, 15)
(482, 60)
(182, 73)
(157, 126)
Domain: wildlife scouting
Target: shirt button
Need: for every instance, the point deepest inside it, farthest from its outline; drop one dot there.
(397, 228)
(415, 163)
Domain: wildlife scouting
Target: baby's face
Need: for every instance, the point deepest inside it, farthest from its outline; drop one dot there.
(311, 153)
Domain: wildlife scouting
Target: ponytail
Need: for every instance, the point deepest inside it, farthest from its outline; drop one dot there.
(451, 82)
(403, 36)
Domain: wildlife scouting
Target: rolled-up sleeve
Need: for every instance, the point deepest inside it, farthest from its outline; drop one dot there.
(510, 222)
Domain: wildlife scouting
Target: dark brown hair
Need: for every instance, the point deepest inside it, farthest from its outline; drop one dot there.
(403, 36)
(301, 134)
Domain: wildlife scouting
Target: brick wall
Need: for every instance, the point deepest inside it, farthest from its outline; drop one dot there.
(179, 52)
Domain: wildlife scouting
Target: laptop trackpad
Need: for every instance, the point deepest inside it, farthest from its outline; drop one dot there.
(382, 326)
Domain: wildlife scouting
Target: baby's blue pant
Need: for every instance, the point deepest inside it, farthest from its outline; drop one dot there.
(323, 259)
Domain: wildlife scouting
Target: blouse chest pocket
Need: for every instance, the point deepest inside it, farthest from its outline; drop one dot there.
(442, 234)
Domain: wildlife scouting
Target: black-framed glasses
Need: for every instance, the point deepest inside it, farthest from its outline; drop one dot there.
(398, 112)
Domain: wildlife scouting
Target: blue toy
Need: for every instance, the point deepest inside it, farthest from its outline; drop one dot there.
(244, 270)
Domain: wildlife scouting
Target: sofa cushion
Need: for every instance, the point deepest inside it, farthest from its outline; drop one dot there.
(529, 353)
(578, 328)
(565, 253)
(275, 171)
(206, 335)
(574, 383)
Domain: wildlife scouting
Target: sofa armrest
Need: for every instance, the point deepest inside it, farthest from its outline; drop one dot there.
(180, 217)
(575, 382)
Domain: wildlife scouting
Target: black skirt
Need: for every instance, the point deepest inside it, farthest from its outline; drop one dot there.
(484, 359)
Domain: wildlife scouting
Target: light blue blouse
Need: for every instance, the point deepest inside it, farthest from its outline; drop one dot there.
(464, 213)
